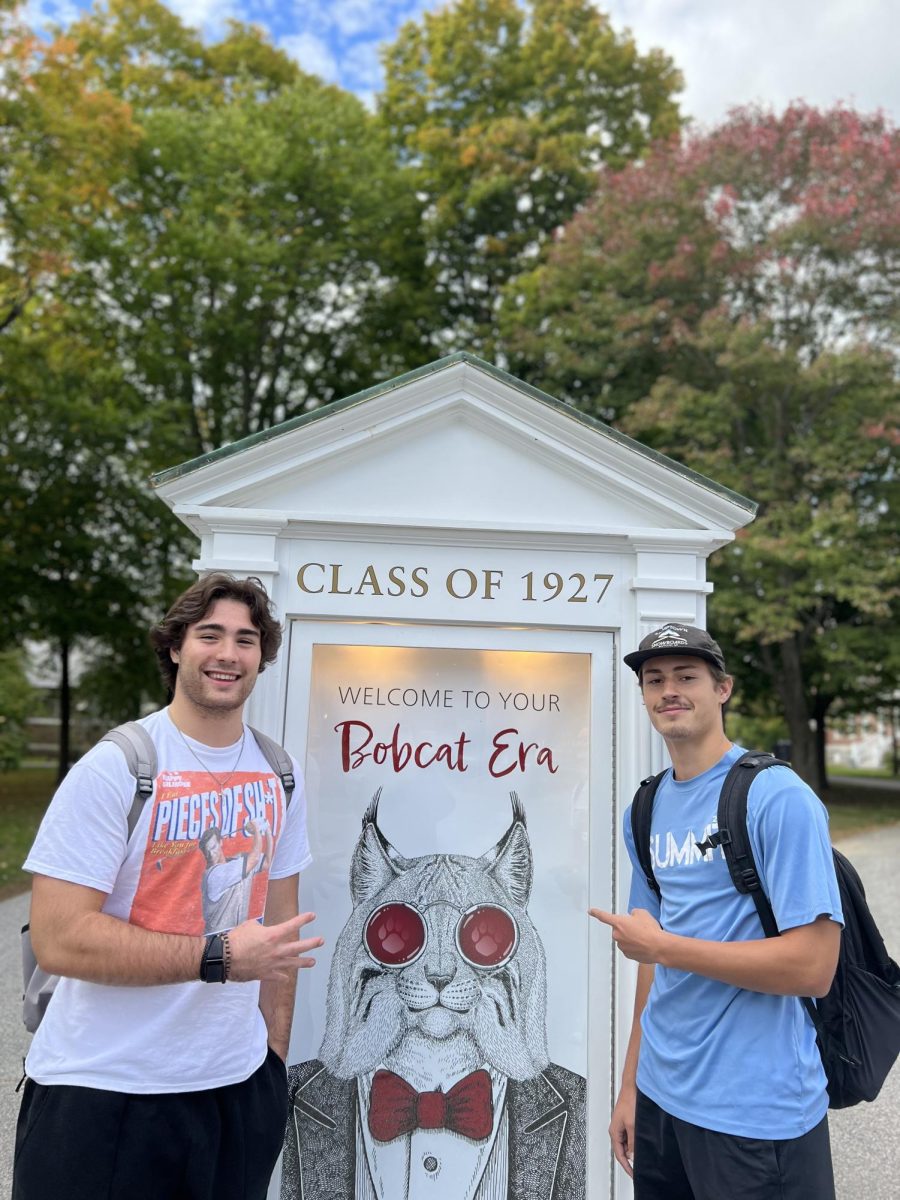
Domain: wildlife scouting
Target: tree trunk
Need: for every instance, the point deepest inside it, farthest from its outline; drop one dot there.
(822, 703)
(789, 682)
(804, 751)
(65, 712)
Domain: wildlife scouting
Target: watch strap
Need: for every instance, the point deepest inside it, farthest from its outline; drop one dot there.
(213, 964)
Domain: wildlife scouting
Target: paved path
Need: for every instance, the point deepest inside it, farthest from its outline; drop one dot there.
(865, 1139)
(13, 1038)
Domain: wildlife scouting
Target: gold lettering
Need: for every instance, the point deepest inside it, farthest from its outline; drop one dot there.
(395, 575)
(301, 579)
(369, 580)
(472, 581)
(336, 589)
(491, 583)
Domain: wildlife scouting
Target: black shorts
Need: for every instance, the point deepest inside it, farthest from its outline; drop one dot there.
(75, 1143)
(674, 1160)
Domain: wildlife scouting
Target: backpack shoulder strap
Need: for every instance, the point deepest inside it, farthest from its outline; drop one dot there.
(140, 754)
(279, 760)
(734, 837)
(641, 820)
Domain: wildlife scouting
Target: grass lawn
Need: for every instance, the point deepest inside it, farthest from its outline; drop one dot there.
(25, 794)
(854, 808)
(864, 773)
(23, 797)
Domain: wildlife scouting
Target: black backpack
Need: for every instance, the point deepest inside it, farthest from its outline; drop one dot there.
(858, 1022)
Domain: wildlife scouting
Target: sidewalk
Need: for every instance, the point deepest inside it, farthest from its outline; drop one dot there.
(13, 1038)
(865, 1140)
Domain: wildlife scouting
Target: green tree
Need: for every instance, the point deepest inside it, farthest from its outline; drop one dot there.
(87, 554)
(266, 261)
(504, 112)
(198, 241)
(62, 150)
(258, 247)
(733, 302)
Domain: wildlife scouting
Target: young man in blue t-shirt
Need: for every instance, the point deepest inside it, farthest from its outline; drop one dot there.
(723, 1092)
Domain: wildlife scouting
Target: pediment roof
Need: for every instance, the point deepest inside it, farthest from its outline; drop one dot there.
(455, 442)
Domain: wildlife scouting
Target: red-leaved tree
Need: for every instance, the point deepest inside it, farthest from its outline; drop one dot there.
(733, 301)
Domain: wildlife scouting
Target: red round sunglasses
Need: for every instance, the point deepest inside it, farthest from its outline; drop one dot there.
(396, 934)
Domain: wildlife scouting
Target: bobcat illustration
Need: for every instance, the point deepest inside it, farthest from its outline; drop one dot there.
(433, 1078)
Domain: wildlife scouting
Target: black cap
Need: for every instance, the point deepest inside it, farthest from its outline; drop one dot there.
(676, 639)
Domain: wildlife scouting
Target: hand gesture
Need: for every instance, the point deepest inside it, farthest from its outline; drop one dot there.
(270, 951)
(638, 935)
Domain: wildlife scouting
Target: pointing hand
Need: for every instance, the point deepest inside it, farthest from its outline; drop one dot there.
(638, 935)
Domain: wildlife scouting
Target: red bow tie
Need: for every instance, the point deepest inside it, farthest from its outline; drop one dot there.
(396, 1108)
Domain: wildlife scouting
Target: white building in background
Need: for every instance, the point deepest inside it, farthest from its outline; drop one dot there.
(863, 742)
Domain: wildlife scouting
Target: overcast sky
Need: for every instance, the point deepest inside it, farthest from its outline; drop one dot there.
(730, 51)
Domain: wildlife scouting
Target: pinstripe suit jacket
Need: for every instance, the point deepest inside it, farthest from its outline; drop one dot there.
(547, 1136)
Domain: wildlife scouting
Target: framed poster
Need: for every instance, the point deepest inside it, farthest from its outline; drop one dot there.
(444, 1049)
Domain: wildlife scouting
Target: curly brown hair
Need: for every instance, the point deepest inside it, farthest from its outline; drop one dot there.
(193, 605)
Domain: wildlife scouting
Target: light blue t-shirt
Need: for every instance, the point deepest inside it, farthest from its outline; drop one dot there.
(720, 1056)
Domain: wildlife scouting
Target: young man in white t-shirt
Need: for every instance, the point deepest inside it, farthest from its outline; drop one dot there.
(148, 1078)
(723, 1091)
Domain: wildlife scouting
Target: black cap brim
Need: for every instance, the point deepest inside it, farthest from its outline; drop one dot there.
(637, 658)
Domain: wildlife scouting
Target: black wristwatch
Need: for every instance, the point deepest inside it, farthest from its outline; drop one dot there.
(213, 964)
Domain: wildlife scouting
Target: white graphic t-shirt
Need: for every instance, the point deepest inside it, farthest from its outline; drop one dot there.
(170, 878)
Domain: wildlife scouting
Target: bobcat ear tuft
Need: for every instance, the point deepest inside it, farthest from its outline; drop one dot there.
(517, 808)
(370, 816)
(375, 861)
(510, 861)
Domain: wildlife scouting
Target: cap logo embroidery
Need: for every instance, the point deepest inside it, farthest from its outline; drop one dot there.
(669, 635)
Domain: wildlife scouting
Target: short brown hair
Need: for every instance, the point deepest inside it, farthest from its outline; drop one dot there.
(193, 605)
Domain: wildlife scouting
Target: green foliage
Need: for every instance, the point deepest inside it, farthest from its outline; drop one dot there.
(266, 259)
(755, 732)
(504, 112)
(255, 247)
(85, 550)
(78, 531)
(198, 241)
(16, 706)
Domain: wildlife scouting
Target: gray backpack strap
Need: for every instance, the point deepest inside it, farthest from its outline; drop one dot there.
(140, 754)
(279, 760)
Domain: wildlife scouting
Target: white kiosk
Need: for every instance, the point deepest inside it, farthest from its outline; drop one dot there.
(460, 562)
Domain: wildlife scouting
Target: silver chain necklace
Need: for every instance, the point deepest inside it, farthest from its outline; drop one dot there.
(221, 780)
